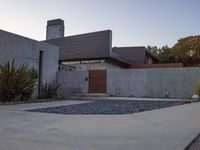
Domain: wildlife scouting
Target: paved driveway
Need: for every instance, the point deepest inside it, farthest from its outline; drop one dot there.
(166, 129)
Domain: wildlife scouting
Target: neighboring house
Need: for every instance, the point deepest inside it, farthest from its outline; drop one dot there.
(93, 51)
(41, 56)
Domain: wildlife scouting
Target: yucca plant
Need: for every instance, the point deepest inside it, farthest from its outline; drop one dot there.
(16, 83)
(49, 90)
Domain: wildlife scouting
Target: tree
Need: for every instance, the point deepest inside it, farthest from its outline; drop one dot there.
(187, 51)
(167, 56)
(156, 51)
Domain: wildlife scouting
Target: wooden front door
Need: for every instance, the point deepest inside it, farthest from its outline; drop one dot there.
(97, 81)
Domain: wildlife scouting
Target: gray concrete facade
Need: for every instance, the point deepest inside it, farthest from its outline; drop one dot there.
(26, 51)
(151, 83)
(72, 82)
(178, 82)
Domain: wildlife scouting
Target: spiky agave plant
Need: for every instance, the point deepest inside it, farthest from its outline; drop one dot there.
(16, 82)
(25, 82)
(49, 90)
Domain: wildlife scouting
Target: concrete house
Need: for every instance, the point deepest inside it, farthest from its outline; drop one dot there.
(90, 64)
(93, 51)
(92, 55)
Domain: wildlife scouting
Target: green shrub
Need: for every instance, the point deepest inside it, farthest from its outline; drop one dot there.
(49, 90)
(198, 88)
(16, 83)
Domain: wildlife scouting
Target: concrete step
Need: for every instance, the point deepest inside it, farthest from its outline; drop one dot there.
(107, 97)
(89, 96)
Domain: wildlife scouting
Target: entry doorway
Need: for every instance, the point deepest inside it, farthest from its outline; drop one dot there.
(97, 81)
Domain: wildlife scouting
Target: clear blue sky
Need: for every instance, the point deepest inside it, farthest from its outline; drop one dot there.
(133, 22)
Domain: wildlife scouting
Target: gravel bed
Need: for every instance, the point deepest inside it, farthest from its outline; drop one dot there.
(109, 107)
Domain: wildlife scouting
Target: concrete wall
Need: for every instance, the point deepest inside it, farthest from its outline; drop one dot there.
(26, 51)
(154, 83)
(179, 82)
(72, 83)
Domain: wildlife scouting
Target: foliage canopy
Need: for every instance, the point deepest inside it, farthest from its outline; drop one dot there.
(186, 51)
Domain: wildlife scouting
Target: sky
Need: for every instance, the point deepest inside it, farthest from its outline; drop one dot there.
(133, 22)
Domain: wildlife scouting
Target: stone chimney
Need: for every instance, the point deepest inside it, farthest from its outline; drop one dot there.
(55, 29)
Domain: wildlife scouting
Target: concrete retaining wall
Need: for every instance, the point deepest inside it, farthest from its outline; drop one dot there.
(72, 83)
(178, 82)
(154, 83)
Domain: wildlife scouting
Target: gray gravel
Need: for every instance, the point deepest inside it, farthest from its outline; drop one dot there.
(109, 107)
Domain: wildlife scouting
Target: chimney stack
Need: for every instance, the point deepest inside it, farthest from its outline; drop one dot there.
(55, 29)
